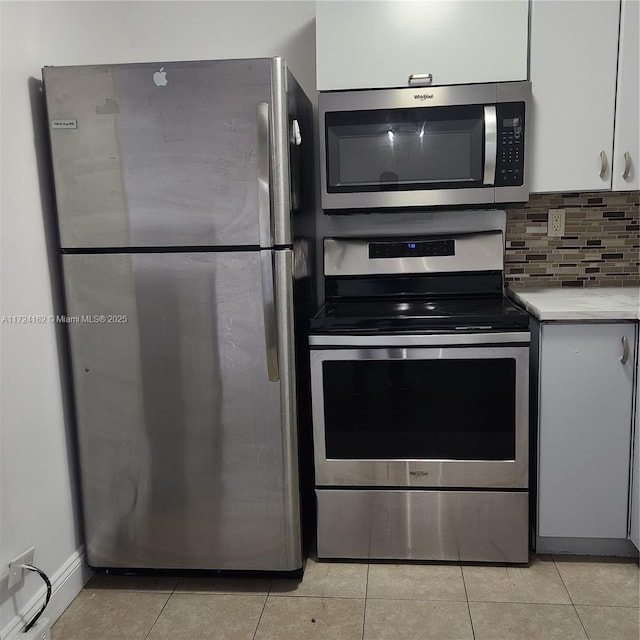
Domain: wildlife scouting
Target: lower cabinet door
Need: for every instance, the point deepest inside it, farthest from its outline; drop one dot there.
(584, 441)
(634, 527)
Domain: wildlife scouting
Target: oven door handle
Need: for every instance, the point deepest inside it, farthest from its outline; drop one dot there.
(451, 339)
(490, 144)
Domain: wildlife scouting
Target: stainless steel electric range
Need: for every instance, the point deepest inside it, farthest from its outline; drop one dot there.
(419, 374)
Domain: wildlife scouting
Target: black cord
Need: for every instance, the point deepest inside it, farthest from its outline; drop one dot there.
(43, 575)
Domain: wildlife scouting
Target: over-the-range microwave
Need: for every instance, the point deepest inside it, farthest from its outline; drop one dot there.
(420, 147)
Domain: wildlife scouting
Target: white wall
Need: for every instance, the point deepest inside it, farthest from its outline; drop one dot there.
(38, 493)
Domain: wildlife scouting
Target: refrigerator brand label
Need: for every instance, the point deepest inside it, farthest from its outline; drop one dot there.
(64, 124)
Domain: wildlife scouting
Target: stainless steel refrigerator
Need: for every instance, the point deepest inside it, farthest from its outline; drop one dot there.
(185, 216)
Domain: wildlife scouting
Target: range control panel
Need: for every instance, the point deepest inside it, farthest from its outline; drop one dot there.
(403, 255)
(510, 157)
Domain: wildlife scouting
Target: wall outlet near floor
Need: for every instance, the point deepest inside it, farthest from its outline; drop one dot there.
(16, 572)
(555, 224)
(40, 631)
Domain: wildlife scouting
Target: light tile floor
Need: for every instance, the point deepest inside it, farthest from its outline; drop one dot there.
(554, 598)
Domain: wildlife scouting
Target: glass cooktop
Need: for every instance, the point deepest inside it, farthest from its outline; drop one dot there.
(452, 314)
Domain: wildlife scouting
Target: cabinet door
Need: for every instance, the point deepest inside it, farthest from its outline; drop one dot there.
(585, 403)
(626, 146)
(160, 166)
(372, 44)
(573, 58)
(180, 434)
(634, 529)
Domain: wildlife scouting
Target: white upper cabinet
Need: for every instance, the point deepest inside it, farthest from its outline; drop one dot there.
(626, 146)
(372, 44)
(574, 53)
(578, 52)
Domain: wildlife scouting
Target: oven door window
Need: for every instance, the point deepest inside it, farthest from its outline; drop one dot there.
(404, 149)
(420, 409)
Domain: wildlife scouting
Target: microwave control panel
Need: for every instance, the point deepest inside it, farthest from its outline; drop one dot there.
(510, 156)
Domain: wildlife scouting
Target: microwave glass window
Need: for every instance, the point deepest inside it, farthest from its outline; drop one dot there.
(404, 148)
(420, 409)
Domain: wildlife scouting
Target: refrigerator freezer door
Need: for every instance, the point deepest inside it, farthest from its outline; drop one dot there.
(148, 155)
(185, 456)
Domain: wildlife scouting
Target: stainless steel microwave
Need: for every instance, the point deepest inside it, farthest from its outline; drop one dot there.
(421, 147)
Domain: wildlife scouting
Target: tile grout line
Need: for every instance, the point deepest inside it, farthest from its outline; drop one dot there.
(466, 594)
(312, 596)
(264, 606)
(155, 622)
(612, 606)
(366, 598)
(570, 598)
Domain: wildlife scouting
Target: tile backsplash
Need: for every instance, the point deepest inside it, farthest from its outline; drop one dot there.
(600, 245)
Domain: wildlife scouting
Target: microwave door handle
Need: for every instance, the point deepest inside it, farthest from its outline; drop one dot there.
(490, 144)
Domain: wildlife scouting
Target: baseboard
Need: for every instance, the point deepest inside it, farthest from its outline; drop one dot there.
(66, 584)
(586, 547)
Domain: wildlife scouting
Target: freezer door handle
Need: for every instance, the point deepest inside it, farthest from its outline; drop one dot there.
(264, 178)
(269, 308)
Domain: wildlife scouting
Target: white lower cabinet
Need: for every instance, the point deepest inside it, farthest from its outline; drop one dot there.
(585, 404)
(634, 519)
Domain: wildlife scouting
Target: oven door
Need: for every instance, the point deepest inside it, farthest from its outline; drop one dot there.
(399, 412)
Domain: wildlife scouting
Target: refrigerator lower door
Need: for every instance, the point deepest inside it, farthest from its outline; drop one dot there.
(184, 451)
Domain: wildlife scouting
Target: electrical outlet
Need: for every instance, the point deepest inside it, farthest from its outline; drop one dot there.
(16, 572)
(555, 224)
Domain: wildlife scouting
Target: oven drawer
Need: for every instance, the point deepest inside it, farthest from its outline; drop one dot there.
(480, 526)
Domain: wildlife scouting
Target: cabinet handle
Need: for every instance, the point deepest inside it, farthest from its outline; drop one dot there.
(603, 164)
(625, 350)
(420, 79)
(627, 165)
(296, 136)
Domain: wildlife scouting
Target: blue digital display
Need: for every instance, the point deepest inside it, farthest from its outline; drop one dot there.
(404, 249)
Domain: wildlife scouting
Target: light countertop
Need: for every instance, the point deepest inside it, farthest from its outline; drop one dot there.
(579, 304)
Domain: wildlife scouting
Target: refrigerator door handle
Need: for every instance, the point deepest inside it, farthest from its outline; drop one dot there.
(269, 309)
(283, 279)
(264, 177)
